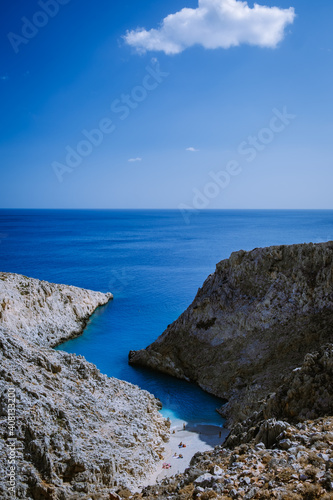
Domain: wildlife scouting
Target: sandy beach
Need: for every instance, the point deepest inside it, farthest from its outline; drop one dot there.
(199, 437)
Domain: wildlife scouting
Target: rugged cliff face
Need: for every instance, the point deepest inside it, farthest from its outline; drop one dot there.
(305, 394)
(250, 324)
(72, 432)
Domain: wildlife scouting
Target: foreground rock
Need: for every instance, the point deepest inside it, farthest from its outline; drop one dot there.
(45, 313)
(299, 467)
(76, 433)
(250, 324)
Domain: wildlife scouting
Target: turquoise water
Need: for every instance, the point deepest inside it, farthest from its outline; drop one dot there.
(154, 263)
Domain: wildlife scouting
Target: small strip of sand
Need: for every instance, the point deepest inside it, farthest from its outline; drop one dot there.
(198, 437)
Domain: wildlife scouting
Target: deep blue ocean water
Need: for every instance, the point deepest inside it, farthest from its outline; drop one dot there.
(153, 262)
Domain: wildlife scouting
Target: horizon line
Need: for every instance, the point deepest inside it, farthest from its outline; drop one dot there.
(170, 209)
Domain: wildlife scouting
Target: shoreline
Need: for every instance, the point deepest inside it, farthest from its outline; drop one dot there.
(197, 438)
(83, 326)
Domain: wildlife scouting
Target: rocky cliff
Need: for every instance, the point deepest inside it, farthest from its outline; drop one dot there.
(45, 313)
(250, 324)
(305, 394)
(72, 432)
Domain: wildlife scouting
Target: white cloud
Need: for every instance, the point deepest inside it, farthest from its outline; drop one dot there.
(132, 160)
(192, 149)
(215, 24)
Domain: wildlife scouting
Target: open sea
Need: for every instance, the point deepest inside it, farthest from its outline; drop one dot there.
(153, 262)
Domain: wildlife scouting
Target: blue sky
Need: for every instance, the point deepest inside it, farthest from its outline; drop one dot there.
(202, 112)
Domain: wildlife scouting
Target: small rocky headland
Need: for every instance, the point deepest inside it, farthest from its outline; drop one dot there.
(258, 334)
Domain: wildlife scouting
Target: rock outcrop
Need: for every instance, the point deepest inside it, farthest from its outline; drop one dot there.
(46, 313)
(72, 432)
(251, 323)
(305, 394)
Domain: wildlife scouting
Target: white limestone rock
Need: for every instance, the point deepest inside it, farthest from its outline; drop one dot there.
(77, 433)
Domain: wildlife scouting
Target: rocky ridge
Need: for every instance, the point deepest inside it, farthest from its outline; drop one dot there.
(251, 323)
(77, 433)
